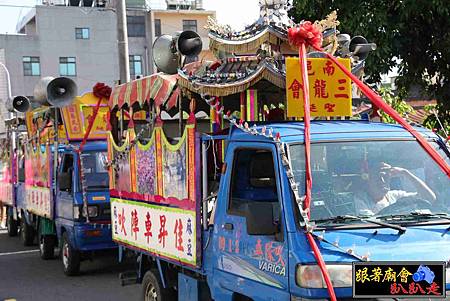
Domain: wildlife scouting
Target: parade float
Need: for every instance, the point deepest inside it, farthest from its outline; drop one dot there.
(61, 192)
(174, 157)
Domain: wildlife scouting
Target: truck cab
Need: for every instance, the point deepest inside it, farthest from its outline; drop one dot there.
(368, 203)
(77, 235)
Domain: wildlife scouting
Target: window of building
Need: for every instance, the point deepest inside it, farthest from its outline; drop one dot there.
(136, 26)
(157, 27)
(31, 66)
(82, 33)
(135, 65)
(67, 66)
(190, 25)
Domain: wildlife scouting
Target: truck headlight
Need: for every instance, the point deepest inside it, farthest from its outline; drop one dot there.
(310, 276)
(92, 211)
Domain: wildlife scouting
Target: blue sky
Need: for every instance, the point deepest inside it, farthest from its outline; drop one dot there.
(237, 13)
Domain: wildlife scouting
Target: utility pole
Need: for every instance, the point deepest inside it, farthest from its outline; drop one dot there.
(122, 35)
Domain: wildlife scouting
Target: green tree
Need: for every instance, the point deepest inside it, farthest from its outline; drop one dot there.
(396, 102)
(414, 31)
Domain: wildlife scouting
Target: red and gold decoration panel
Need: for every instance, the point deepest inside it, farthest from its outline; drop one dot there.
(156, 184)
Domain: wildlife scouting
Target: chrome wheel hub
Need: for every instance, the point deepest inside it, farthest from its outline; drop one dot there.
(65, 254)
(150, 293)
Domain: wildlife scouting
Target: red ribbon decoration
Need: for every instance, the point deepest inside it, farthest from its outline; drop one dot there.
(307, 33)
(101, 90)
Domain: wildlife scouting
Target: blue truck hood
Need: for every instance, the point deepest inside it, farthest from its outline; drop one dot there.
(431, 242)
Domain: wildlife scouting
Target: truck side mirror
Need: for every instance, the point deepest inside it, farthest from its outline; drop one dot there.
(259, 219)
(65, 181)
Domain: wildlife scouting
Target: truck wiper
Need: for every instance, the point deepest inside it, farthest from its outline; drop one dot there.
(344, 218)
(428, 214)
(417, 214)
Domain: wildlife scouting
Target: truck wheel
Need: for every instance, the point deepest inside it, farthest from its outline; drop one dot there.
(26, 233)
(11, 224)
(70, 257)
(153, 290)
(47, 246)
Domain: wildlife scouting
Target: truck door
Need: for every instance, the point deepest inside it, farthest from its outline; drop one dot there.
(249, 228)
(65, 188)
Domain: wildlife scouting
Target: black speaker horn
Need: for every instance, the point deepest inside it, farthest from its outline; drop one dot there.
(21, 104)
(189, 43)
(360, 47)
(61, 92)
(57, 92)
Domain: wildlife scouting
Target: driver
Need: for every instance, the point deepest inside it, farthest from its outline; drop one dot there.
(378, 194)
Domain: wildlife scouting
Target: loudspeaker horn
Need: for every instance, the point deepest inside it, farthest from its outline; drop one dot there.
(21, 104)
(40, 91)
(189, 43)
(165, 54)
(360, 47)
(57, 92)
(61, 92)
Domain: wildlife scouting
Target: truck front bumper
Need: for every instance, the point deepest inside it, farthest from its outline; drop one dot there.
(92, 237)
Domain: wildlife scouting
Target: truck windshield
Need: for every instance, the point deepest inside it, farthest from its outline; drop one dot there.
(94, 170)
(382, 179)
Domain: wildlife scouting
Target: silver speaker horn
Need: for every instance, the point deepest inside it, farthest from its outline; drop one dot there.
(189, 43)
(360, 47)
(57, 92)
(61, 92)
(165, 54)
(21, 104)
(40, 91)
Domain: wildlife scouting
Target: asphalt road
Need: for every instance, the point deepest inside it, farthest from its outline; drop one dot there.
(25, 276)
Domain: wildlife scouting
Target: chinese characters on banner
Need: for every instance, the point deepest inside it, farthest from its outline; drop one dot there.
(6, 193)
(330, 90)
(165, 231)
(38, 200)
(99, 126)
(76, 117)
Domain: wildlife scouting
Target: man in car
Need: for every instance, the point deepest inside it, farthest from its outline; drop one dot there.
(377, 193)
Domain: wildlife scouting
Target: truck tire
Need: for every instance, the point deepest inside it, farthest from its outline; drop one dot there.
(46, 246)
(11, 225)
(70, 257)
(26, 233)
(153, 290)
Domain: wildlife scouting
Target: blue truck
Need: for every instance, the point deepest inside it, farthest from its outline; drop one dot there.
(376, 197)
(63, 204)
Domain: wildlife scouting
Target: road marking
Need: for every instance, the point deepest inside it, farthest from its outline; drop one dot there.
(10, 300)
(18, 252)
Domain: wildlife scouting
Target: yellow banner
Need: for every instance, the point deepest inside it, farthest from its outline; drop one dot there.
(330, 89)
(76, 117)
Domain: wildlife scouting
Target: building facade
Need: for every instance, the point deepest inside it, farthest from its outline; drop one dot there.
(78, 39)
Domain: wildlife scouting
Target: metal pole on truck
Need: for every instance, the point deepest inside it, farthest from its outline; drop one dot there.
(11, 115)
(122, 36)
